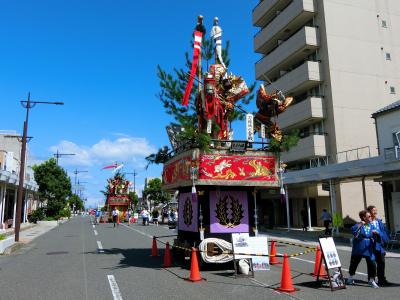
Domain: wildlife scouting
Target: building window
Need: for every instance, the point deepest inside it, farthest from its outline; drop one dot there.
(388, 57)
(392, 90)
(384, 24)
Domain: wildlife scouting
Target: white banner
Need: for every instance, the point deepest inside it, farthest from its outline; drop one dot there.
(250, 127)
(262, 130)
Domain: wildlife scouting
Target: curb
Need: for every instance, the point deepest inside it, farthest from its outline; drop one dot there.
(9, 233)
(14, 247)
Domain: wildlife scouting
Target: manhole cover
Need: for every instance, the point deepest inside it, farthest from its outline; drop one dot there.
(57, 252)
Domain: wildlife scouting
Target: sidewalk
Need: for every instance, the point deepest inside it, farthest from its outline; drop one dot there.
(28, 234)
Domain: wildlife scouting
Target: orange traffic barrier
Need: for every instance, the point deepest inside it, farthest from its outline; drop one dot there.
(319, 270)
(286, 278)
(167, 257)
(273, 260)
(154, 250)
(194, 268)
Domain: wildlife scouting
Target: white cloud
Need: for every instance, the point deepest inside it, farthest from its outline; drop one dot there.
(129, 149)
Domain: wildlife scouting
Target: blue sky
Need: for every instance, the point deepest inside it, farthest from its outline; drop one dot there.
(99, 57)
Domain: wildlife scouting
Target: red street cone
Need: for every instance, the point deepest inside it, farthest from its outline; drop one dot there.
(194, 268)
(286, 278)
(167, 257)
(317, 267)
(273, 260)
(154, 250)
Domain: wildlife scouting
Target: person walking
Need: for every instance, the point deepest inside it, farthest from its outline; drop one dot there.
(363, 247)
(380, 238)
(115, 215)
(326, 218)
(155, 215)
(129, 214)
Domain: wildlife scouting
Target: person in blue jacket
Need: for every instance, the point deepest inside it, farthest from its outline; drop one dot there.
(381, 238)
(363, 247)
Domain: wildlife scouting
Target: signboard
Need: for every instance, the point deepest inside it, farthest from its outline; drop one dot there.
(330, 253)
(229, 212)
(188, 212)
(118, 200)
(243, 243)
(259, 245)
(250, 127)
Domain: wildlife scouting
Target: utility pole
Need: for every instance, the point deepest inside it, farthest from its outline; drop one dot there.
(58, 155)
(28, 105)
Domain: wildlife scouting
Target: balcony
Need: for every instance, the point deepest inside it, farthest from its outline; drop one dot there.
(301, 114)
(311, 146)
(266, 10)
(301, 79)
(291, 19)
(295, 49)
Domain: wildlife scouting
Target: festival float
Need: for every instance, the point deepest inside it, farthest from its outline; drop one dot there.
(218, 184)
(117, 195)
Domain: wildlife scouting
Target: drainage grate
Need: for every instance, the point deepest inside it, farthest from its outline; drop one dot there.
(57, 252)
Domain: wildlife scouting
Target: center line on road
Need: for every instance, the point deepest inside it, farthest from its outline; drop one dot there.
(114, 287)
(100, 246)
(95, 232)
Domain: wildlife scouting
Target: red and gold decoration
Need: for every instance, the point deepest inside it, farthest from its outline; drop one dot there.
(235, 167)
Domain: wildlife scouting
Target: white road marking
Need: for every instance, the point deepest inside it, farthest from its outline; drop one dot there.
(114, 287)
(138, 231)
(94, 226)
(100, 246)
(95, 232)
(312, 262)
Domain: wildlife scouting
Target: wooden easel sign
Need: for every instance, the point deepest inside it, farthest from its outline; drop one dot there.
(332, 262)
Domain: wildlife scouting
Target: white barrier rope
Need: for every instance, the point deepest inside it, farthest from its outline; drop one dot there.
(217, 259)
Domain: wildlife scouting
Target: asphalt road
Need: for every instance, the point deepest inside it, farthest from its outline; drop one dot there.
(77, 261)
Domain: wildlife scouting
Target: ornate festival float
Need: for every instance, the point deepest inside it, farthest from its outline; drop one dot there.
(218, 177)
(118, 195)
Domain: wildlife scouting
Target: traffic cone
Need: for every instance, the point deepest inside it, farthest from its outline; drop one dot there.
(194, 268)
(273, 260)
(117, 220)
(317, 263)
(167, 257)
(154, 250)
(286, 278)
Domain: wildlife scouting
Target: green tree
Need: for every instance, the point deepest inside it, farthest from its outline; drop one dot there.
(54, 186)
(155, 193)
(172, 89)
(77, 201)
(134, 198)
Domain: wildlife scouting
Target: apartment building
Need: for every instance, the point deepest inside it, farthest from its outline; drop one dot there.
(340, 60)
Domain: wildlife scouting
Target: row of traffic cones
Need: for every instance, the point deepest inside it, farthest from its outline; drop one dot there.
(194, 264)
(286, 278)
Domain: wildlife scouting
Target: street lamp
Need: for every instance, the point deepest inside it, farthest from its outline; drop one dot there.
(28, 105)
(58, 155)
(76, 172)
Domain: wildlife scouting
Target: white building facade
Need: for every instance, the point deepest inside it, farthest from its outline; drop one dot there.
(10, 151)
(340, 60)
